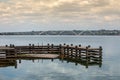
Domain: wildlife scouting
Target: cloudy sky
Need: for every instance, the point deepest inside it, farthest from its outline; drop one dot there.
(28, 15)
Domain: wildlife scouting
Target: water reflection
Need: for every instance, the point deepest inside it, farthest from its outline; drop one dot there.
(8, 62)
(84, 63)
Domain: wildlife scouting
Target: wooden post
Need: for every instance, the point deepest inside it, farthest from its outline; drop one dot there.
(60, 49)
(100, 52)
(32, 48)
(71, 44)
(48, 46)
(61, 52)
(10, 45)
(80, 45)
(76, 52)
(6, 45)
(67, 51)
(64, 48)
(87, 54)
(89, 46)
(87, 61)
(79, 51)
(15, 53)
(32, 45)
(20, 50)
(29, 48)
(52, 45)
(71, 51)
(13, 45)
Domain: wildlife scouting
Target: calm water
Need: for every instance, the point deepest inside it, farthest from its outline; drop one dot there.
(55, 69)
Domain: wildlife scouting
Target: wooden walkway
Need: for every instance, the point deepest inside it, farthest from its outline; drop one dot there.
(7, 51)
(43, 56)
(64, 51)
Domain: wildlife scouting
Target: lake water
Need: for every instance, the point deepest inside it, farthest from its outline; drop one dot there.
(45, 69)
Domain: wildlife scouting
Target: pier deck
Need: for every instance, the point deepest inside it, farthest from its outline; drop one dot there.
(43, 56)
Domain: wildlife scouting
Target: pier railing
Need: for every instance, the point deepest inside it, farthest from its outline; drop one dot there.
(66, 50)
(84, 55)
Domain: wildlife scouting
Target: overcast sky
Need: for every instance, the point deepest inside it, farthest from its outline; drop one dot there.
(28, 15)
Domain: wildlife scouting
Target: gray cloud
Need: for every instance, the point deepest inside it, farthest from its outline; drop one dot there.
(61, 11)
(99, 3)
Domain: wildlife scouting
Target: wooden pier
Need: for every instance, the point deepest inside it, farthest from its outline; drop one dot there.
(7, 51)
(76, 53)
(83, 55)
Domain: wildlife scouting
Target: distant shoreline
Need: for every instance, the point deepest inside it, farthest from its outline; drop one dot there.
(66, 32)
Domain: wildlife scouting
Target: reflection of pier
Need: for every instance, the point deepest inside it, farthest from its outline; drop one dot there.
(8, 62)
(83, 62)
(13, 62)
